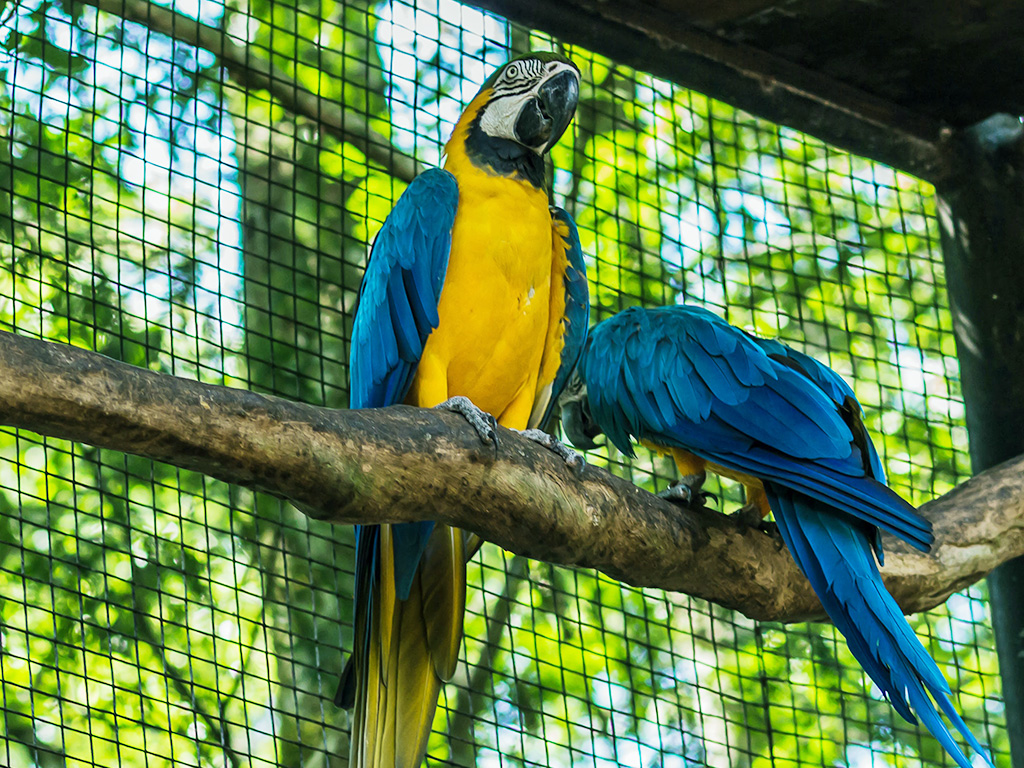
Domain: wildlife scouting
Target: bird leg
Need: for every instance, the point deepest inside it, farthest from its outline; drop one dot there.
(754, 511)
(568, 455)
(485, 425)
(687, 491)
(749, 514)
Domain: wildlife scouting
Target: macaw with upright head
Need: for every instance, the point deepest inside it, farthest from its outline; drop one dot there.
(475, 288)
(685, 382)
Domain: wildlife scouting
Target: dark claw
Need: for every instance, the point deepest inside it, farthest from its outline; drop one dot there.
(568, 455)
(485, 424)
(687, 492)
(681, 493)
(751, 516)
(493, 434)
(748, 515)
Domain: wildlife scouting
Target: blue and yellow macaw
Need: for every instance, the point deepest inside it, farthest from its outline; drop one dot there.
(685, 382)
(475, 289)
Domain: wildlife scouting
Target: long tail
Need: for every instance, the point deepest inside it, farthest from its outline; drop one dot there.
(404, 650)
(837, 558)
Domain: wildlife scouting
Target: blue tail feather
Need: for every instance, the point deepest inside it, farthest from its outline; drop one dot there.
(837, 558)
(865, 498)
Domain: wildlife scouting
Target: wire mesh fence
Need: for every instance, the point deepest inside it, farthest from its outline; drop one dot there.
(200, 200)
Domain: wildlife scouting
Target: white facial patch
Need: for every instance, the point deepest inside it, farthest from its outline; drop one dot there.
(499, 117)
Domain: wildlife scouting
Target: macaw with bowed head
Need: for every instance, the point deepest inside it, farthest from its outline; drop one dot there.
(474, 289)
(683, 381)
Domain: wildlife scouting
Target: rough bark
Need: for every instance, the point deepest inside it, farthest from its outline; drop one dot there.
(401, 464)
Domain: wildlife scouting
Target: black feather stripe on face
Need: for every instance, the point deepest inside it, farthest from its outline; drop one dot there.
(503, 91)
(518, 76)
(532, 65)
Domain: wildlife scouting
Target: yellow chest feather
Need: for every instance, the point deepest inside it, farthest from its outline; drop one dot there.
(496, 303)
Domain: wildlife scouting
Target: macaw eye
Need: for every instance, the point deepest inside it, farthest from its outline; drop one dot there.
(512, 72)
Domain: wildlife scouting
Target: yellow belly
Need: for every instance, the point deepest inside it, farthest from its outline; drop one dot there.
(495, 303)
(689, 464)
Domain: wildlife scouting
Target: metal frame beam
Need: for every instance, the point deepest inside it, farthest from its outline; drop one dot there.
(765, 85)
(981, 215)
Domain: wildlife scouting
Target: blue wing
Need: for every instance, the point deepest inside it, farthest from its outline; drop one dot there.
(840, 393)
(681, 376)
(837, 390)
(400, 291)
(836, 556)
(577, 311)
(397, 311)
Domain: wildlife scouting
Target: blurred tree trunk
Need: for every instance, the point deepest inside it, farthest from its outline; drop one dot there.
(302, 267)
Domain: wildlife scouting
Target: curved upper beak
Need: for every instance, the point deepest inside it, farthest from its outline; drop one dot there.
(579, 425)
(559, 97)
(544, 118)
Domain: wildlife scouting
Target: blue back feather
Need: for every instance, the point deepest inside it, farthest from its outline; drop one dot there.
(731, 401)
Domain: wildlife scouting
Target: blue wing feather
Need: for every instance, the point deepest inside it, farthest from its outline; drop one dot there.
(832, 384)
(577, 311)
(410, 345)
(400, 291)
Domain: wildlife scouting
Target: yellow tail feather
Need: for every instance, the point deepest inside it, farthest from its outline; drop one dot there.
(397, 689)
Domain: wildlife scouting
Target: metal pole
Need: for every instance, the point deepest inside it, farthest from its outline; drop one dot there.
(981, 215)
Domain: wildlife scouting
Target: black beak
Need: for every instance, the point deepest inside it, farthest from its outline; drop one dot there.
(543, 119)
(579, 425)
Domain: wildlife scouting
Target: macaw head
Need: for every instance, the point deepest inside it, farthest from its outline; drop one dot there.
(532, 100)
(579, 424)
(521, 111)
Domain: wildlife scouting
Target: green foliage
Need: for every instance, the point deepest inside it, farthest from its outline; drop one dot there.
(154, 617)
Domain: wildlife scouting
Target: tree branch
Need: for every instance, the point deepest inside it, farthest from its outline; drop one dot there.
(255, 72)
(403, 464)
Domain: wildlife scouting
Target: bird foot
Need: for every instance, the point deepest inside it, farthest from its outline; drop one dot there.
(752, 516)
(687, 491)
(568, 455)
(485, 425)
